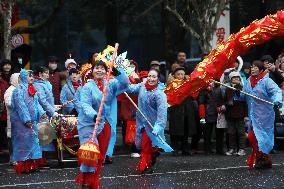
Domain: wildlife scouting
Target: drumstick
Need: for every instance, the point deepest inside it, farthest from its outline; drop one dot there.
(147, 120)
(68, 102)
(248, 94)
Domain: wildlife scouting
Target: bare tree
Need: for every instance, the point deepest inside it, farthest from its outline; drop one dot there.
(8, 31)
(197, 17)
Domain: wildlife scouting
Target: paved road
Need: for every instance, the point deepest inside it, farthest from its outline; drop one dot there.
(198, 171)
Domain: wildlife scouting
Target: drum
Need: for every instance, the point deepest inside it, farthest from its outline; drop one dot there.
(66, 129)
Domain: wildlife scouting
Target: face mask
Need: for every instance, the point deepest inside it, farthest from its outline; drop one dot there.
(53, 66)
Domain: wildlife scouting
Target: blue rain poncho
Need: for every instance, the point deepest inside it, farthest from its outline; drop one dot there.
(261, 114)
(90, 100)
(67, 93)
(46, 100)
(25, 108)
(153, 104)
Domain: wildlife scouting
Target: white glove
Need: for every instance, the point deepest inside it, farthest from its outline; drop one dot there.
(202, 121)
(134, 75)
(156, 130)
(55, 114)
(57, 107)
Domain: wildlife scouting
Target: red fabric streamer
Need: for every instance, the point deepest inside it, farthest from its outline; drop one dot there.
(221, 58)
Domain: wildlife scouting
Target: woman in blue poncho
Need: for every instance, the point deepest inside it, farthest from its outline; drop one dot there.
(261, 115)
(90, 99)
(25, 113)
(152, 102)
(46, 99)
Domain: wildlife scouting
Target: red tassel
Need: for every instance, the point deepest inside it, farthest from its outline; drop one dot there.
(89, 179)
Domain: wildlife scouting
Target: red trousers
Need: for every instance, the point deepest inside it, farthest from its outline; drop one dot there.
(256, 154)
(147, 152)
(91, 179)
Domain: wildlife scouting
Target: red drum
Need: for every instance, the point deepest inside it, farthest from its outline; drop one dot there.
(66, 129)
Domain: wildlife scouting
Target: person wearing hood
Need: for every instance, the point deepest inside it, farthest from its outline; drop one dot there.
(235, 113)
(6, 69)
(4, 85)
(68, 92)
(152, 101)
(14, 81)
(25, 114)
(245, 71)
(54, 78)
(46, 99)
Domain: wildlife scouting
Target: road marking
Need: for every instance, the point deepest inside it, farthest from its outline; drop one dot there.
(137, 175)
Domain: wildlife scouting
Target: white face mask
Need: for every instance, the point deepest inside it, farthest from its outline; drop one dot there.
(53, 66)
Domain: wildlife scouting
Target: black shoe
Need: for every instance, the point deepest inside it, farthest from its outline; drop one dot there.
(186, 153)
(273, 152)
(85, 187)
(108, 160)
(34, 170)
(148, 171)
(262, 163)
(175, 153)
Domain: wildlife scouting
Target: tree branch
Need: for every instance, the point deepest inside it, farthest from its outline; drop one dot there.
(219, 9)
(183, 24)
(39, 26)
(148, 10)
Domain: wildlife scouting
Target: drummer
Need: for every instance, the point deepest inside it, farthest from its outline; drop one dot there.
(68, 92)
(46, 99)
(25, 114)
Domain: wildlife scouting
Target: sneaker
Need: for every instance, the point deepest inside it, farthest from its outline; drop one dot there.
(241, 152)
(230, 152)
(135, 155)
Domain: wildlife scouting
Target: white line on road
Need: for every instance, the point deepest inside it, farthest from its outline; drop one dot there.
(125, 176)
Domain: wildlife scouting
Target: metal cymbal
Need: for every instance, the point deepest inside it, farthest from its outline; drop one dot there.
(45, 133)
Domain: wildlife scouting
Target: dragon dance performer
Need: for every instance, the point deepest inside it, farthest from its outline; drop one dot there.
(25, 114)
(261, 115)
(152, 102)
(90, 99)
